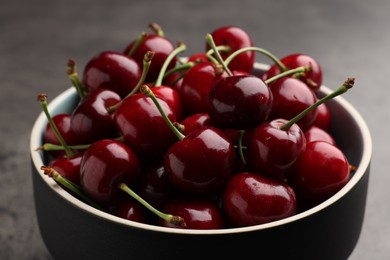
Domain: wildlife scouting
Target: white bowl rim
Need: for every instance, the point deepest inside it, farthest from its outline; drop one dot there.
(37, 159)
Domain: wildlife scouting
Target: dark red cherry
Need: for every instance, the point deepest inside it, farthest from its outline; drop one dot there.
(143, 127)
(160, 45)
(197, 213)
(196, 85)
(236, 38)
(239, 102)
(323, 117)
(68, 167)
(90, 119)
(320, 171)
(172, 98)
(202, 162)
(62, 122)
(290, 97)
(318, 134)
(198, 57)
(250, 199)
(130, 209)
(272, 151)
(104, 165)
(313, 78)
(113, 71)
(194, 122)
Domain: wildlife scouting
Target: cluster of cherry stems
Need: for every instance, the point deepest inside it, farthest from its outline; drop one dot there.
(206, 142)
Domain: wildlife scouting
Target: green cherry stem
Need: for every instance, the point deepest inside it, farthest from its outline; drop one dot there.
(175, 220)
(52, 173)
(294, 72)
(137, 43)
(71, 71)
(210, 41)
(180, 48)
(341, 90)
(42, 98)
(277, 61)
(180, 68)
(156, 28)
(148, 92)
(209, 53)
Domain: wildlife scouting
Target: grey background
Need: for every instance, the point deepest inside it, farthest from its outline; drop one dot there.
(348, 38)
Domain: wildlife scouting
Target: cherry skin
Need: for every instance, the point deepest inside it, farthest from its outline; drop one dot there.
(143, 127)
(194, 122)
(68, 167)
(198, 214)
(313, 78)
(320, 171)
(236, 38)
(290, 97)
(131, 210)
(196, 85)
(113, 71)
(202, 162)
(272, 151)
(63, 123)
(318, 134)
(171, 96)
(104, 165)
(251, 199)
(323, 117)
(239, 102)
(90, 119)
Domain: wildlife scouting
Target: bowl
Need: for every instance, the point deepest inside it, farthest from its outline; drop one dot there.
(72, 229)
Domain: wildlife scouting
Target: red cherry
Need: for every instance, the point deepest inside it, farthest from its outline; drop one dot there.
(318, 134)
(68, 167)
(272, 151)
(290, 97)
(143, 127)
(202, 162)
(323, 117)
(239, 102)
(198, 214)
(131, 210)
(104, 165)
(236, 38)
(196, 85)
(62, 121)
(320, 171)
(90, 119)
(172, 98)
(113, 71)
(250, 199)
(195, 121)
(313, 78)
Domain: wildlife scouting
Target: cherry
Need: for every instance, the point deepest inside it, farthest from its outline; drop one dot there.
(68, 167)
(63, 123)
(130, 209)
(90, 120)
(156, 43)
(239, 102)
(235, 38)
(197, 213)
(320, 171)
(196, 85)
(251, 199)
(318, 134)
(290, 97)
(194, 122)
(111, 70)
(313, 78)
(104, 165)
(323, 117)
(143, 127)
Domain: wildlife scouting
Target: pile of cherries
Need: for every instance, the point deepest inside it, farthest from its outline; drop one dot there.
(203, 142)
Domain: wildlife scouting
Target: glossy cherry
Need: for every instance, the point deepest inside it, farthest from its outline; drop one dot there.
(239, 102)
(318, 134)
(290, 97)
(111, 70)
(68, 167)
(62, 121)
(194, 122)
(320, 171)
(313, 78)
(130, 209)
(104, 165)
(143, 127)
(235, 38)
(323, 118)
(197, 213)
(90, 119)
(251, 199)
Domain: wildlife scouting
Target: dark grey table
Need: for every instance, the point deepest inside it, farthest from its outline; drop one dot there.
(349, 38)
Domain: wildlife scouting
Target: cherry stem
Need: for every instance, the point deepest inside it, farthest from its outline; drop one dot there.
(148, 92)
(277, 61)
(71, 71)
(180, 48)
(42, 98)
(210, 52)
(240, 147)
(294, 72)
(145, 69)
(180, 68)
(69, 185)
(137, 43)
(341, 90)
(210, 41)
(175, 220)
(157, 29)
